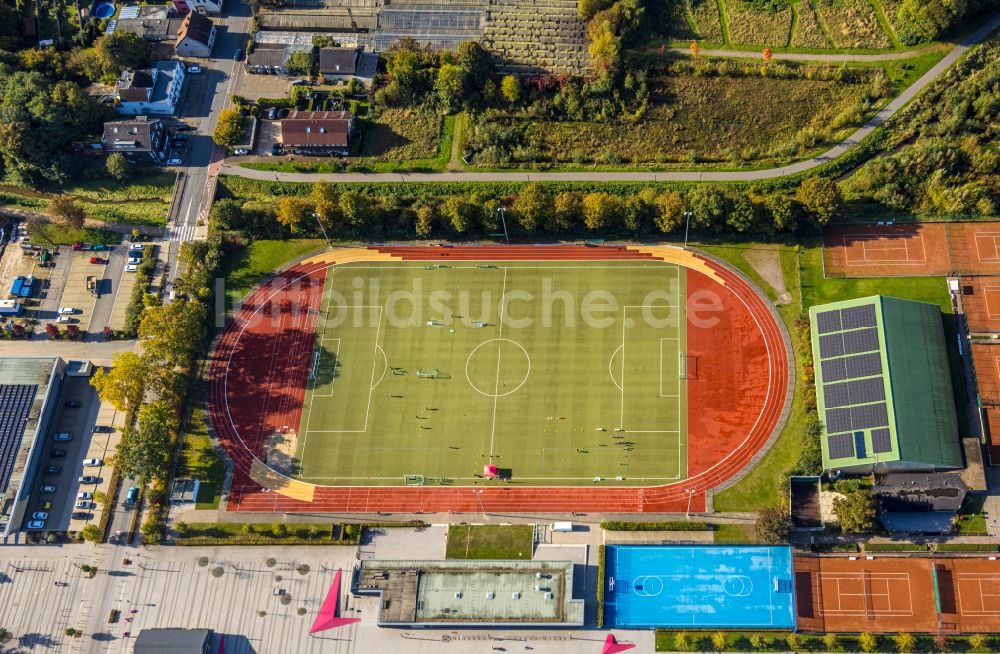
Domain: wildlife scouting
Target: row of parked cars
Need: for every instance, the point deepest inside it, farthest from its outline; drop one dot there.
(84, 499)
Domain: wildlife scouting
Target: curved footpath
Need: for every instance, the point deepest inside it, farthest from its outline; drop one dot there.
(691, 176)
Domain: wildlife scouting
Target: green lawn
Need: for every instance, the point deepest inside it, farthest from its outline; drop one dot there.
(52, 234)
(734, 534)
(537, 392)
(200, 461)
(490, 542)
(246, 268)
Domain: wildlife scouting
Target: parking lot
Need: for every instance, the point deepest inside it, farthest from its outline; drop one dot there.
(254, 87)
(79, 411)
(269, 134)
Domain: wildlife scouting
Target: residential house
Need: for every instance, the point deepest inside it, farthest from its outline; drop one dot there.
(153, 90)
(210, 7)
(196, 37)
(318, 133)
(919, 502)
(149, 22)
(339, 63)
(141, 139)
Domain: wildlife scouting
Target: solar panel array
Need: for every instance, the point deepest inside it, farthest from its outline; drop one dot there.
(15, 409)
(853, 387)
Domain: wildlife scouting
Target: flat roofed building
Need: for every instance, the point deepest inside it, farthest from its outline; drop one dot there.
(174, 641)
(471, 593)
(883, 386)
(29, 387)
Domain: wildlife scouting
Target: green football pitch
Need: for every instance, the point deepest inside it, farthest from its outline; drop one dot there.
(555, 372)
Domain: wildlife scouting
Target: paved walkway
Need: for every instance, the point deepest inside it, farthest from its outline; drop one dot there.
(832, 57)
(708, 176)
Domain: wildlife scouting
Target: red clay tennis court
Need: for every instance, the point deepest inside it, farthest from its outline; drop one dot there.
(910, 250)
(738, 388)
(897, 593)
(986, 358)
(981, 303)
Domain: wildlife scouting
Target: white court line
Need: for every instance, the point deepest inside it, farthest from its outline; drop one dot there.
(496, 385)
(993, 236)
(866, 247)
(986, 300)
(993, 581)
(859, 578)
(333, 379)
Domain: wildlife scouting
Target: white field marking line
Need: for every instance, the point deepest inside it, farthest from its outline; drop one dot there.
(993, 236)
(542, 479)
(385, 361)
(677, 352)
(865, 247)
(496, 385)
(270, 373)
(996, 364)
(858, 577)
(324, 297)
(677, 431)
(667, 264)
(977, 577)
(986, 299)
(770, 588)
(333, 380)
(611, 369)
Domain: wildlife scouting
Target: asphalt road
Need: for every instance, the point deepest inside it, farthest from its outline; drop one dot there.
(680, 176)
(206, 95)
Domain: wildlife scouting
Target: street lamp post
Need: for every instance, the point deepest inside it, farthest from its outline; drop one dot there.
(687, 514)
(503, 218)
(322, 229)
(687, 226)
(479, 496)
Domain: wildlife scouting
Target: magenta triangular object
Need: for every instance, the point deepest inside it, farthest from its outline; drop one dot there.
(611, 646)
(327, 618)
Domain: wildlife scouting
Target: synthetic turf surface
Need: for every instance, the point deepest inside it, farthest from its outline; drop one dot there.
(539, 363)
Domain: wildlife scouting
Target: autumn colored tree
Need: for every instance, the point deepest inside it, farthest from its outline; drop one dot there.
(600, 210)
(694, 48)
(67, 211)
(293, 212)
(821, 198)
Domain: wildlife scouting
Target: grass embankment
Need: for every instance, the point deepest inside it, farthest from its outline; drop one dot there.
(141, 201)
(238, 533)
(783, 641)
(490, 542)
(200, 461)
(246, 268)
(734, 534)
(52, 234)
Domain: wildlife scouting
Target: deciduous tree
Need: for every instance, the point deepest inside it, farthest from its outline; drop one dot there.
(772, 525)
(600, 210)
(230, 127)
(119, 167)
(67, 211)
(293, 212)
(532, 205)
(856, 512)
(144, 450)
(669, 210)
(123, 384)
(510, 87)
(821, 198)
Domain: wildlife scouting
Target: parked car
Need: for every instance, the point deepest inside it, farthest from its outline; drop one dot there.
(62, 437)
(180, 138)
(136, 247)
(175, 159)
(272, 113)
(45, 505)
(132, 495)
(299, 82)
(100, 246)
(53, 470)
(194, 70)
(135, 261)
(57, 453)
(36, 524)
(67, 311)
(131, 268)
(97, 260)
(80, 515)
(48, 488)
(73, 404)
(103, 429)
(40, 515)
(237, 55)
(184, 127)
(93, 463)
(276, 149)
(64, 319)
(88, 479)
(282, 113)
(84, 504)
(85, 495)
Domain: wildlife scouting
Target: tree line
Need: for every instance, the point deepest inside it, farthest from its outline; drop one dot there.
(534, 211)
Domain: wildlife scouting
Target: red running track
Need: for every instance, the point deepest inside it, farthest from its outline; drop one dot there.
(737, 385)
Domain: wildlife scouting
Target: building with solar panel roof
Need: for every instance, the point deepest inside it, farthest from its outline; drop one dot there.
(29, 388)
(883, 386)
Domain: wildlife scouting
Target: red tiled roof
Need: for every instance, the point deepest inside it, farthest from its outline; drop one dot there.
(316, 128)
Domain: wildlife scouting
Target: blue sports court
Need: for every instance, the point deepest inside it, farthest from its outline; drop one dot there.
(698, 587)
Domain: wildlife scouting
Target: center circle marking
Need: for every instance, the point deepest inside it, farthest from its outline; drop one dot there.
(493, 393)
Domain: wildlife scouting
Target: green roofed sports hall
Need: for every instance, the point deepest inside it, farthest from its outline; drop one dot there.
(883, 390)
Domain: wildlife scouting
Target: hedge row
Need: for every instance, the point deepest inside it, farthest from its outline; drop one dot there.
(600, 587)
(894, 547)
(966, 547)
(679, 525)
